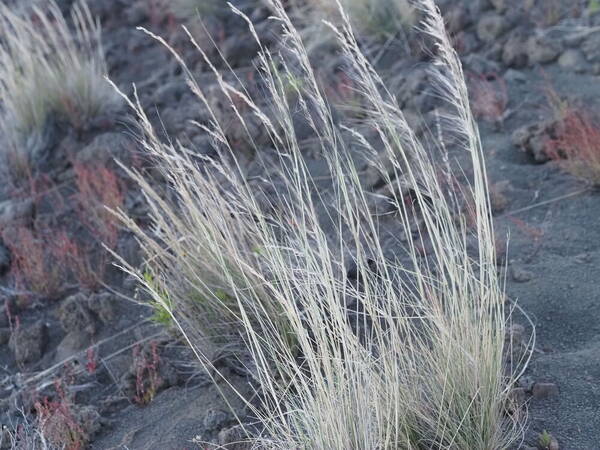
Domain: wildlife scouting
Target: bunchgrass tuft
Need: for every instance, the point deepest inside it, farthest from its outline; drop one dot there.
(375, 18)
(50, 68)
(409, 352)
(189, 9)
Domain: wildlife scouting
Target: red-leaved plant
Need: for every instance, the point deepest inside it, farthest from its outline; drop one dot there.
(147, 378)
(98, 191)
(57, 421)
(575, 144)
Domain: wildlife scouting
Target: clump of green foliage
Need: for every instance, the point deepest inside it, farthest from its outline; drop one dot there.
(162, 307)
(545, 440)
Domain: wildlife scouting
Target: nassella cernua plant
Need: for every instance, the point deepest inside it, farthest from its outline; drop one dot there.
(409, 355)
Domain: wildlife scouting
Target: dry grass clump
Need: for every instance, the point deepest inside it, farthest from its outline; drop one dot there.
(368, 17)
(186, 9)
(49, 68)
(409, 353)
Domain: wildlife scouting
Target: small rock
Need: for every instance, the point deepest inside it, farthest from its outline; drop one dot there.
(498, 199)
(514, 76)
(520, 275)
(457, 19)
(572, 59)
(5, 259)
(544, 390)
(542, 50)
(499, 5)
(236, 51)
(4, 322)
(234, 438)
(518, 396)
(28, 342)
(583, 258)
(170, 92)
(411, 83)
(4, 335)
(6, 438)
(16, 213)
(526, 383)
(591, 47)
(478, 64)
(74, 342)
(490, 27)
(514, 52)
(515, 343)
(103, 149)
(103, 305)
(74, 314)
(533, 139)
(136, 14)
(517, 332)
(120, 365)
(215, 419)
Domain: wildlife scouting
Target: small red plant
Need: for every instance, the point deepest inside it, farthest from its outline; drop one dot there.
(78, 261)
(91, 364)
(342, 91)
(147, 379)
(575, 144)
(58, 422)
(534, 233)
(98, 191)
(489, 97)
(33, 266)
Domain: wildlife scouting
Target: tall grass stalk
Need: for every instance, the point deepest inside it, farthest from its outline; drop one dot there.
(410, 354)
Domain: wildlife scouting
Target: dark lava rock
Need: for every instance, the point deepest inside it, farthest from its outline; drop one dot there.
(4, 335)
(234, 438)
(16, 213)
(74, 342)
(518, 396)
(542, 50)
(102, 304)
(544, 390)
(104, 148)
(5, 259)
(490, 27)
(533, 139)
(514, 52)
(591, 47)
(74, 314)
(29, 342)
(521, 275)
(573, 59)
(215, 419)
